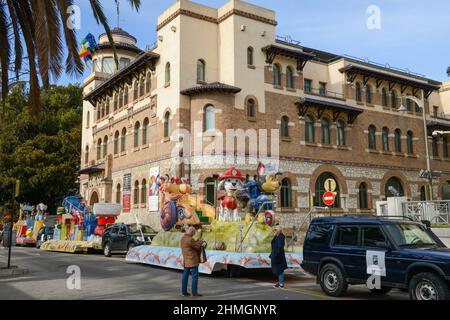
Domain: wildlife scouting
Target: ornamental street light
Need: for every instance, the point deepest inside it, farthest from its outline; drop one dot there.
(421, 103)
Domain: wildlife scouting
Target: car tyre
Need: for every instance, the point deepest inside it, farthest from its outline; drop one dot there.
(107, 250)
(383, 290)
(428, 286)
(332, 280)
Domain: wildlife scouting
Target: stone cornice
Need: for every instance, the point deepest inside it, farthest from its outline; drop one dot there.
(214, 20)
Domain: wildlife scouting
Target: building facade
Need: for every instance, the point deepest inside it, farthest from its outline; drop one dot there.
(220, 89)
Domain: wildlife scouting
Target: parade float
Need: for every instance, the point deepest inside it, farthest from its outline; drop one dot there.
(80, 229)
(238, 232)
(30, 222)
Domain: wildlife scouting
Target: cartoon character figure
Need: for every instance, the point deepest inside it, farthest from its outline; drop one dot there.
(230, 182)
(262, 191)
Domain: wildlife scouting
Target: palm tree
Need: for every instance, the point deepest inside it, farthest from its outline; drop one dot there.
(448, 71)
(38, 26)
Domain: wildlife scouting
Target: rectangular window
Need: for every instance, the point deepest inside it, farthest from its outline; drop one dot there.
(435, 111)
(108, 65)
(371, 236)
(308, 86)
(318, 234)
(346, 236)
(322, 88)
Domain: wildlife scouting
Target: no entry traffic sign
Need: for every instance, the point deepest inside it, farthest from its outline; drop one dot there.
(328, 198)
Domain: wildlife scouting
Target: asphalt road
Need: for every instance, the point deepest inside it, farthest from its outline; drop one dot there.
(113, 278)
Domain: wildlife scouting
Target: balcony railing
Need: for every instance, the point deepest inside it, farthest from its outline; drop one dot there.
(324, 93)
(434, 211)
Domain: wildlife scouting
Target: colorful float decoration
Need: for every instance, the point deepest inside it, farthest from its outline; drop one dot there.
(30, 222)
(238, 232)
(79, 228)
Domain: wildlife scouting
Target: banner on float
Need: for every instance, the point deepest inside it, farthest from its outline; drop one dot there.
(153, 190)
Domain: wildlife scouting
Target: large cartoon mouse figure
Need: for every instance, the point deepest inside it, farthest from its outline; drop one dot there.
(230, 182)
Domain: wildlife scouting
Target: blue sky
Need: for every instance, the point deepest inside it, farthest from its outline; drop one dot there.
(415, 34)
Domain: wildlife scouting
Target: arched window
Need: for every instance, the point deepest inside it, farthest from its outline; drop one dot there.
(135, 90)
(120, 99)
(99, 149)
(434, 147)
(358, 92)
(284, 126)
(446, 191)
(368, 94)
(103, 109)
(250, 56)
(136, 192)
(277, 75)
(423, 193)
(384, 98)
(125, 96)
(309, 129)
(88, 120)
(144, 192)
(167, 126)
(211, 191)
(148, 83)
(250, 108)
(115, 102)
(410, 142)
(201, 70)
(167, 73)
(286, 194)
(372, 138)
(325, 131)
(385, 138)
(418, 109)
(445, 146)
(142, 87)
(107, 106)
(394, 188)
(119, 194)
(99, 115)
(137, 128)
(362, 196)
(393, 100)
(86, 155)
(320, 190)
(398, 140)
(210, 118)
(289, 78)
(408, 105)
(145, 131)
(341, 139)
(105, 146)
(116, 142)
(123, 140)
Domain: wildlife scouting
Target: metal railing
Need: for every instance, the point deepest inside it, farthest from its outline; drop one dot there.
(324, 93)
(303, 226)
(437, 212)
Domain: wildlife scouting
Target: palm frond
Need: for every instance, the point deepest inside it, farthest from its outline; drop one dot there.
(5, 51)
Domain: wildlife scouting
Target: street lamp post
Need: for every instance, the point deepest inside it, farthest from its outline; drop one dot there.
(421, 103)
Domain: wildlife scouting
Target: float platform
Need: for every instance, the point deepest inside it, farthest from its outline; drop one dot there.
(171, 257)
(68, 246)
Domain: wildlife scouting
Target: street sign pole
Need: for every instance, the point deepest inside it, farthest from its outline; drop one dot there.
(15, 193)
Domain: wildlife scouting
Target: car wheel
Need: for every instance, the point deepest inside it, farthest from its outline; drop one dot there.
(38, 244)
(332, 280)
(428, 286)
(107, 250)
(381, 291)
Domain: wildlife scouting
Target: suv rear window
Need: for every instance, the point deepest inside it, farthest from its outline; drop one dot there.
(318, 234)
(346, 236)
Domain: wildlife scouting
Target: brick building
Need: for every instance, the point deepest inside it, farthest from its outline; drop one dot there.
(325, 115)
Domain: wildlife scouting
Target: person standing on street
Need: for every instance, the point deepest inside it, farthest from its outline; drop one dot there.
(191, 250)
(278, 257)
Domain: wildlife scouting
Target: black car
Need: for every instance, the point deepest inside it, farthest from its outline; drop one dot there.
(120, 238)
(45, 234)
(352, 250)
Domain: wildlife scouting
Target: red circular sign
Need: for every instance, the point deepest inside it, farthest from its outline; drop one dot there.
(329, 199)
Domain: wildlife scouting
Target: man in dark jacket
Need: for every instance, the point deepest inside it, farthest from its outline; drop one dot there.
(278, 257)
(191, 250)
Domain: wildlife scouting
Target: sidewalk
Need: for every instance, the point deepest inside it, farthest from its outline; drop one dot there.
(14, 271)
